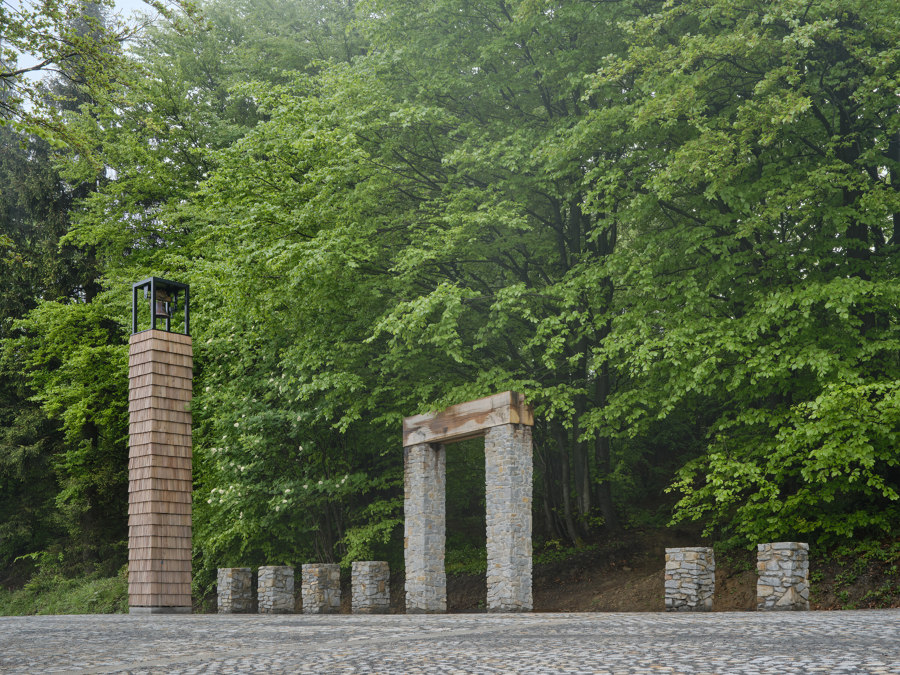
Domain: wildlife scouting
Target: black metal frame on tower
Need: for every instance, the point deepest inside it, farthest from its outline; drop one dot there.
(154, 284)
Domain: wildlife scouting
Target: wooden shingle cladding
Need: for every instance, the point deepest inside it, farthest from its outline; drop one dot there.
(159, 470)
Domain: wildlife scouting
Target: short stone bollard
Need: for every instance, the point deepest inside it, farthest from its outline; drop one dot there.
(690, 579)
(275, 589)
(371, 588)
(321, 588)
(234, 587)
(783, 582)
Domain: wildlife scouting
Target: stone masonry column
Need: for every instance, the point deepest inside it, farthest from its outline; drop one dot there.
(508, 479)
(424, 506)
(160, 372)
(275, 589)
(321, 588)
(234, 586)
(783, 582)
(690, 579)
(370, 587)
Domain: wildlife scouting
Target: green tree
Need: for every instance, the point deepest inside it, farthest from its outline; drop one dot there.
(420, 240)
(34, 209)
(46, 37)
(149, 152)
(482, 240)
(760, 277)
(27, 485)
(50, 499)
(672, 226)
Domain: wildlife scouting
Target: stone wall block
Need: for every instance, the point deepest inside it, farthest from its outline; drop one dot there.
(321, 588)
(783, 583)
(690, 579)
(234, 586)
(370, 586)
(275, 589)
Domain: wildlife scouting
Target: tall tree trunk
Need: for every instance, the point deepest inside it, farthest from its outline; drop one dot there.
(606, 244)
(550, 520)
(602, 447)
(547, 479)
(580, 406)
(566, 486)
(579, 475)
(582, 460)
(894, 154)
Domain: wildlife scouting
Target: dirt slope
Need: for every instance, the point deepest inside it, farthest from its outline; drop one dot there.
(628, 576)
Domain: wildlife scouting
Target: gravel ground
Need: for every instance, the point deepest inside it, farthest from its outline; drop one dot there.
(740, 642)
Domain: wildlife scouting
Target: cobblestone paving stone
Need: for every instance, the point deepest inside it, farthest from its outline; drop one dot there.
(782, 643)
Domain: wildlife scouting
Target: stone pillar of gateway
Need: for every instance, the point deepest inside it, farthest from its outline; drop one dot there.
(160, 371)
(505, 421)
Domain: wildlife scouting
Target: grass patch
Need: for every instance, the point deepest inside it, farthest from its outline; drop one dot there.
(53, 594)
(466, 560)
(554, 551)
(471, 559)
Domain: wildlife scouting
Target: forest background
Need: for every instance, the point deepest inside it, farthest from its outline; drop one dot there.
(672, 225)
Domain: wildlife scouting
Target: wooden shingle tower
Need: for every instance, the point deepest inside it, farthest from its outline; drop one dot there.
(160, 377)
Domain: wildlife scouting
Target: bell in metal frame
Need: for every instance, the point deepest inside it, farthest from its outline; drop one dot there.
(164, 301)
(164, 306)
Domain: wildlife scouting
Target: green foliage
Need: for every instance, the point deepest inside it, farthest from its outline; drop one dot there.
(49, 593)
(28, 442)
(672, 226)
(78, 38)
(761, 265)
(882, 596)
(879, 551)
(381, 520)
(862, 573)
(77, 364)
(34, 208)
(467, 559)
(554, 551)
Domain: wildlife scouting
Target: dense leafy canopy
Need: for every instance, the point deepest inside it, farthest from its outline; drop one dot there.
(767, 205)
(78, 42)
(671, 225)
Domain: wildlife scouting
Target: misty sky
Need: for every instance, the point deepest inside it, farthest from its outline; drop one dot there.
(126, 7)
(123, 7)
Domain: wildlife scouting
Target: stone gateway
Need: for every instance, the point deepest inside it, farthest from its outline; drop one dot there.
(505, 422)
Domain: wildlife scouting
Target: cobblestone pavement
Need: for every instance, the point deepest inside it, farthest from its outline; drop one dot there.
(783, 643)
